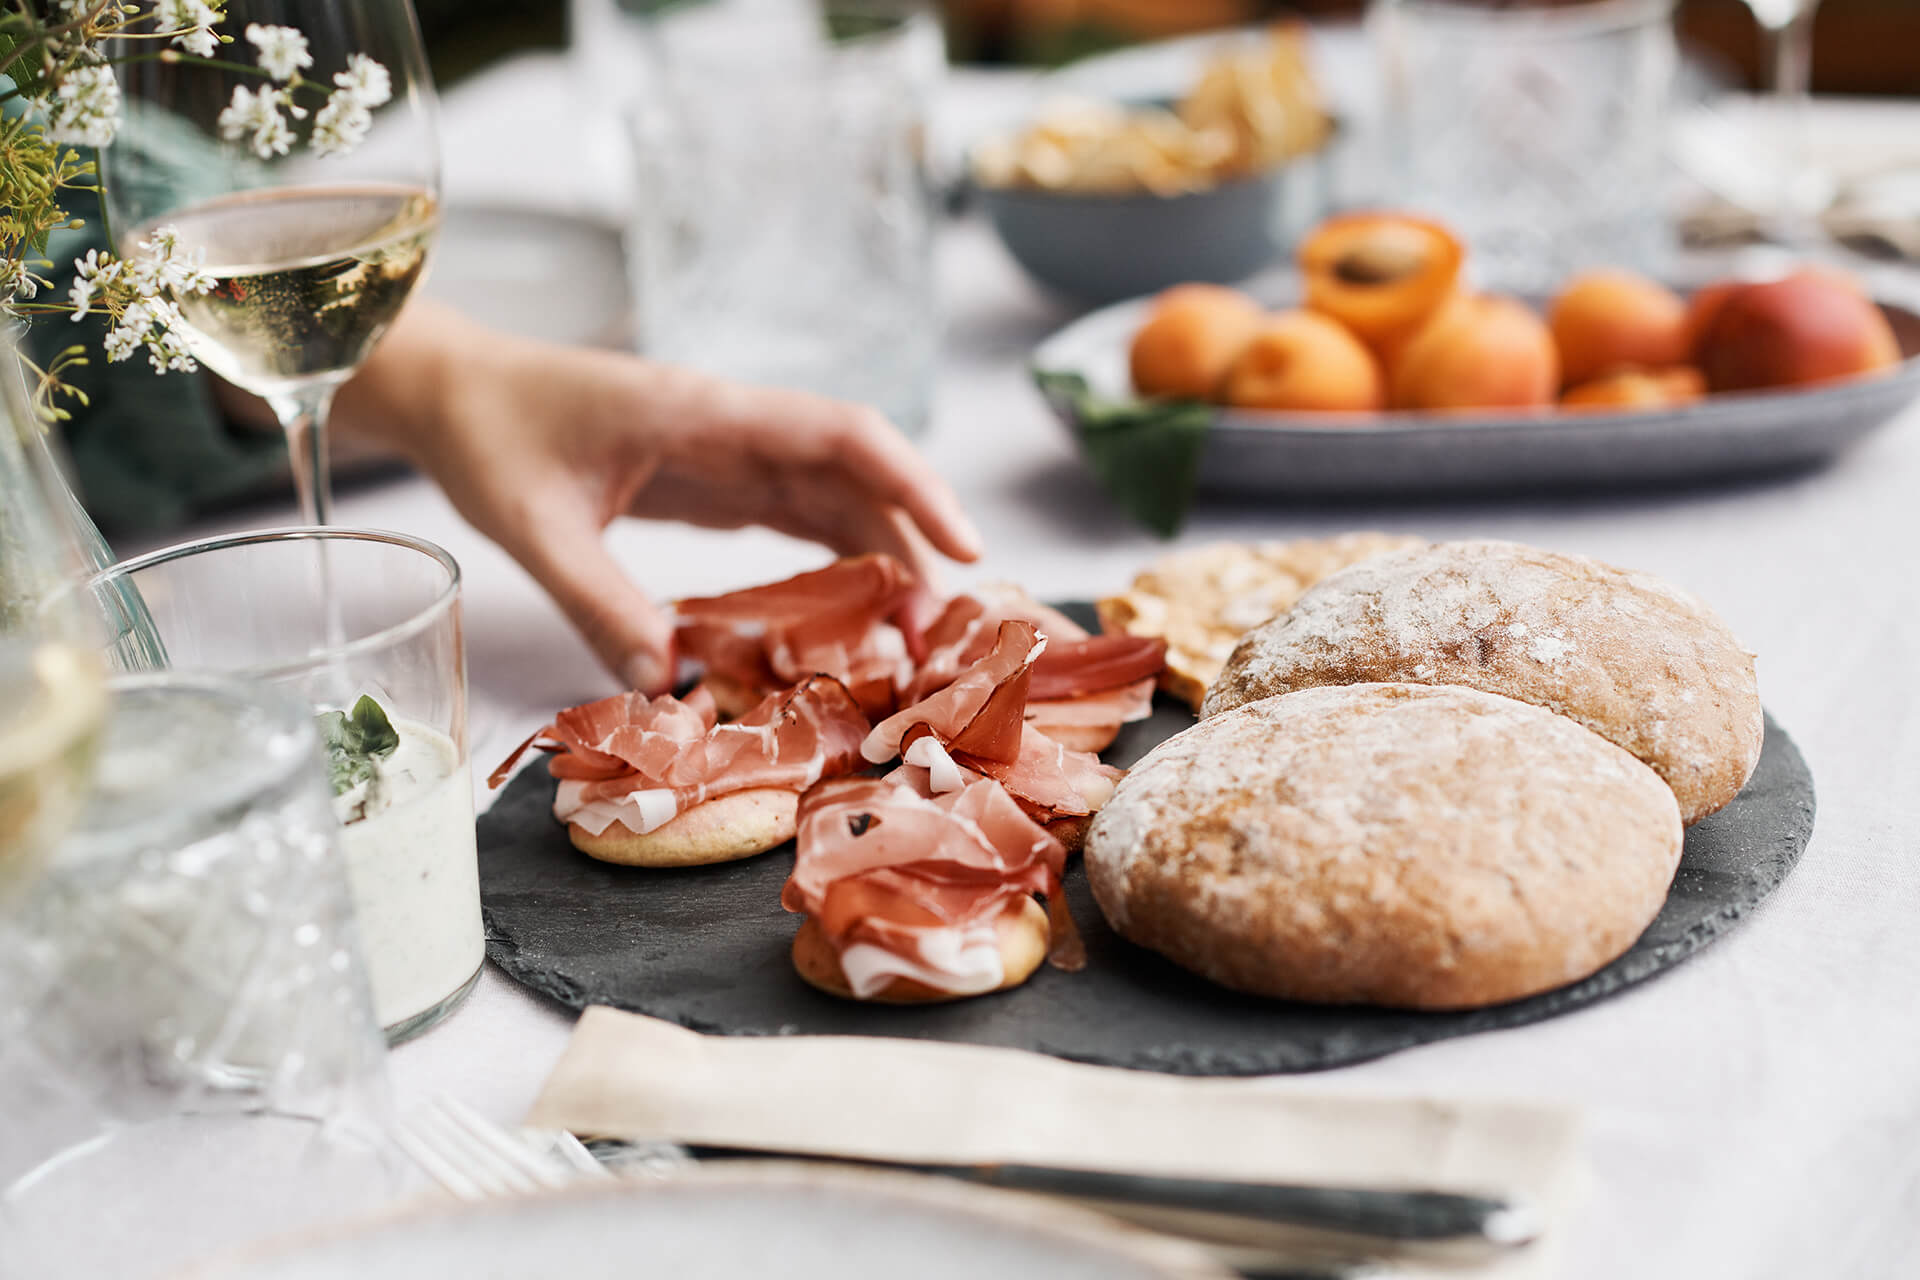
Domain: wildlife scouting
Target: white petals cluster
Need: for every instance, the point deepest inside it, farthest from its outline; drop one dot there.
(136, 292)
(84, 110)
(283, 50)
(342, 124)
(255, 117)
(191, 23)
(364, 81)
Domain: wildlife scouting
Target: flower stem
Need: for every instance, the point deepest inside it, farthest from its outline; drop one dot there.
(106, 223)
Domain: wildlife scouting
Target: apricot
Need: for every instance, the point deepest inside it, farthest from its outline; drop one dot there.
(1810, 326)
(1383, 275)
(1638, 389)
(1301, 360)
(1608, 320)
(1480, 351)
(1192, 333)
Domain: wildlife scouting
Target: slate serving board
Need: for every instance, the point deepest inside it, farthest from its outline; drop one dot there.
(707, 947)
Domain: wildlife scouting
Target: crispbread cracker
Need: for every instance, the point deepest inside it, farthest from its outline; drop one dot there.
(1201, 602)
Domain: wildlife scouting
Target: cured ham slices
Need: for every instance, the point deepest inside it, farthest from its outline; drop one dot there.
(836, 621)
(659, 781)
(919, 885)
(912, 896)
(979, 722)
(1083, 688)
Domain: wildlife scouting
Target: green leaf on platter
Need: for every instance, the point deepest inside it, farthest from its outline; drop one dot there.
(355, 741)
(1146, 454)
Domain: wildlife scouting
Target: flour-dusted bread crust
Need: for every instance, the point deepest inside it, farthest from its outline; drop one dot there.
(1424, 847)
(1024, 938)
(733, 826)
(1203, 600)
(1638, 661)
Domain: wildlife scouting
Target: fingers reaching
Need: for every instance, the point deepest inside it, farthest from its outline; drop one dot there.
(629, 632)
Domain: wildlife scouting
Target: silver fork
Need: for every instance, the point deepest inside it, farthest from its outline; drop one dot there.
(474, 1158)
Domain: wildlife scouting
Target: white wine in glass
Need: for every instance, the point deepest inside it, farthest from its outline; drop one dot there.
(312, 249)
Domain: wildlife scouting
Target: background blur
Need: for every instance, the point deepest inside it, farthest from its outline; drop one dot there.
(1860, 46)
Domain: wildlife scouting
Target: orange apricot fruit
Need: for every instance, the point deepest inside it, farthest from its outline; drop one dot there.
(1603, 321)
(1480, 351)
(1301, 360)
(1192, 333)
(1382, 275)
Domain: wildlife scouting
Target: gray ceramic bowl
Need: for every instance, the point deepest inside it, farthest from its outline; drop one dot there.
(1101, 248)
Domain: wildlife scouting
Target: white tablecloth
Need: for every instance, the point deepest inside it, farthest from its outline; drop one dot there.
(1754, 1113)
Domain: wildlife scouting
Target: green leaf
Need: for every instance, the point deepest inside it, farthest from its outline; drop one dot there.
(1146, 454)
(354, 742)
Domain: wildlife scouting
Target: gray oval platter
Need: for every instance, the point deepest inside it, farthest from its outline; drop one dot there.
(707, 947)
(1724, 437)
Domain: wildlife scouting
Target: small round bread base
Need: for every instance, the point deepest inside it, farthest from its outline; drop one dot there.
(723, 829)
(1024, 938)
(1083, 737)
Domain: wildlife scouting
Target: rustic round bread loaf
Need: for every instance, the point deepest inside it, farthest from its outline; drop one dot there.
(1638, 661)
(1420, 846)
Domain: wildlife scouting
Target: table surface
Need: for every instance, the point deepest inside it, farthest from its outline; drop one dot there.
(1754, 1113)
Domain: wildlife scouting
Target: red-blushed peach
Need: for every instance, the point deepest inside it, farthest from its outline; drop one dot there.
(1301, 360)
(1192, 333)
(1810, 326)
(1603, 321)
(1637, 389)
(1480, 351)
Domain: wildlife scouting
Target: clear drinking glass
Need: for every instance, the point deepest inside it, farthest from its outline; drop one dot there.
(312, 250)
(184, 1012)
(783, 219)
(255, 605)
(1538, 132)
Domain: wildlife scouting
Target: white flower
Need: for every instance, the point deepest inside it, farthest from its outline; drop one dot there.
(191, 22)
(283, 50)
(90, 276)
(365, 81)
(85, 108)
(341, 125)
(256, 117)
(130, 334)
(161, 266)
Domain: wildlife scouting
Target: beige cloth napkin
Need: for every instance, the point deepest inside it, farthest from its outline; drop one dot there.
(639, 1078)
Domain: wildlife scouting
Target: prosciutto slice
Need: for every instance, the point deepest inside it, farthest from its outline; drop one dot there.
(832, 621)
(641, 761)
(910, 885)
(979, 719)
(1081, 679)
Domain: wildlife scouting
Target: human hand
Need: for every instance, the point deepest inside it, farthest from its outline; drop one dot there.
(540, 447)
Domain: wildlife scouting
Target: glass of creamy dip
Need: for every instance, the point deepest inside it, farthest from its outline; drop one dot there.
(365, 625)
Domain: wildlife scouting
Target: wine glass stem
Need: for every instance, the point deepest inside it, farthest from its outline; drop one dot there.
(303, 415)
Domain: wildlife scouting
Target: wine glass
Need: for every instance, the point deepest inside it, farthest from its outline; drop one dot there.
(52, 683)
(312, 213)
(1787, 68)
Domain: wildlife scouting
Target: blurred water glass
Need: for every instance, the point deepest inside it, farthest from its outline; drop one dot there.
(1536, 129)
(337, 616)
(782, 227)
(190, 947)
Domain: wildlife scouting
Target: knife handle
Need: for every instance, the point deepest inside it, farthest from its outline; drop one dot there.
(1389, 1215)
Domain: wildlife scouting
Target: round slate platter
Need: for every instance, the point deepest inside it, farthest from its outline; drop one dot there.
(706, 947)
